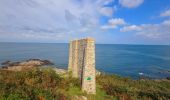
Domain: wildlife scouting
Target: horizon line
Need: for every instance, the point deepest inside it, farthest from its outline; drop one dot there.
(95, 43)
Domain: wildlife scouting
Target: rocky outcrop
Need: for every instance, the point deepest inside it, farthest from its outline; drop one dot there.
(18, 66)
(31, 63)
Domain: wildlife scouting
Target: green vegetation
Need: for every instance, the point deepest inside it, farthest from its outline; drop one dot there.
(45, 84)
(35, 84)
(128, 89)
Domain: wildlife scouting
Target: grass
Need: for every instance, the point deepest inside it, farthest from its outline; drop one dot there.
(45, 84)
(75, 91)
(100, 95)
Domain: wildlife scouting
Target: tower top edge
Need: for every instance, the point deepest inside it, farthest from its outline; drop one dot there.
(85, 39)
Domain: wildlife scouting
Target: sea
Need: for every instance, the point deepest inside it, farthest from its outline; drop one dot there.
(127, 60)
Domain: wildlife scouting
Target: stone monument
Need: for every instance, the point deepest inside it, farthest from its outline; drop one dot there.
(82, 63)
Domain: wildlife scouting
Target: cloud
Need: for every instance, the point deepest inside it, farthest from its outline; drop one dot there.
(153, 31)
(104, 2)
(165, 14)
(107, 11)
(130, 28)
(166, 22)
(104, 8)
(131, 3)
(113, 23)
(69, 18)
(117, 21)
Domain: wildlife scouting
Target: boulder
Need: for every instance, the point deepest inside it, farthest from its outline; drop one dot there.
(6, 62)
(168, 78)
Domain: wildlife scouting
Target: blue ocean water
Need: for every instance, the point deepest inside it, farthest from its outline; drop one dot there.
(124, 60)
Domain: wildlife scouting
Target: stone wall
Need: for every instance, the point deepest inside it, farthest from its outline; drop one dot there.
(82, 63)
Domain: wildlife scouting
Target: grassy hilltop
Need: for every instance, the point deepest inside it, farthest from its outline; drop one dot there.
(46, 84)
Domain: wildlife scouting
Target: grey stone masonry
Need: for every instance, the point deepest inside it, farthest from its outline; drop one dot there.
(82, 63)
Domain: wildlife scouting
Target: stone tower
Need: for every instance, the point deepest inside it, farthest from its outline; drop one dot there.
(82, 63)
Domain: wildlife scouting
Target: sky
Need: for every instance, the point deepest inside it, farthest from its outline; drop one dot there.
(107, 21)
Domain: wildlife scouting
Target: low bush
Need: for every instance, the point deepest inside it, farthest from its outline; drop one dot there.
(134, 89)
(34, 84)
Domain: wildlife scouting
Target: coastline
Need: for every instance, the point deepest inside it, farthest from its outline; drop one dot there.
(31, 63)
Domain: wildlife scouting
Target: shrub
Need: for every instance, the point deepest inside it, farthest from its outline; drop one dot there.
(34, 84)
(134, 89)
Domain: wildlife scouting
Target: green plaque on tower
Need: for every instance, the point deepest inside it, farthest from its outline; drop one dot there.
(88, 78)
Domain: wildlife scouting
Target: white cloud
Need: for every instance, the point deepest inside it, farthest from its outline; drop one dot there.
(107, 11)
(104, 2)
(154, 31)
(130, 28)
(130, 3)
(113, 23)
(108, 2)
(166, 22)
(117, 21)
(54, 17)
(107, 27)
(165, 14)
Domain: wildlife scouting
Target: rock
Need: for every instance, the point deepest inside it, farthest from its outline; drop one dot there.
(47, 62)
(4, 67)
(43, 62)
(18, 66)
(165, 71)
(6, 62)
(13, 64)
(168, 78)
(79, 98)
(98, 73)
(31, 63)
(60, 71)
